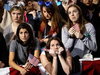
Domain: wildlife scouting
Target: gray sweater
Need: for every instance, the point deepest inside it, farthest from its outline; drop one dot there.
(81, 47)
(20, 51)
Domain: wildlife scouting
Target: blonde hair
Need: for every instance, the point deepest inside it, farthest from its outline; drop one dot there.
(15, 8)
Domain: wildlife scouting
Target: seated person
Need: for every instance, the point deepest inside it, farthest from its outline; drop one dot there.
(81, 38)
(51, 23)
(33, 14)
(20, 48)
(57, 61)
(17, 14)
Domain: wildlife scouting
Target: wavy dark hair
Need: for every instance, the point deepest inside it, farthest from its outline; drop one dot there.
(49, 57)
(31, 42)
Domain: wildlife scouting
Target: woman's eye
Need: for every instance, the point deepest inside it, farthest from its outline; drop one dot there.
(26, 32)
(57, 44)
(52, 45)
(13, 13)
(69, 12)
(44, 11)
(21, 32)
(74, 11)
(19, 14)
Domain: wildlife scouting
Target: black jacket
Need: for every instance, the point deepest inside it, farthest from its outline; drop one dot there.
(3, 50)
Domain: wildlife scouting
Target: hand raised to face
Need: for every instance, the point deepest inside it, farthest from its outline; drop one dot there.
(60, 50)
(52, 53)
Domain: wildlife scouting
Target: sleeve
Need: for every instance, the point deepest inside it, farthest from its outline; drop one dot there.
(67, 41)
(13, 46)
(90, 40)
(37, 44)
(3, 49)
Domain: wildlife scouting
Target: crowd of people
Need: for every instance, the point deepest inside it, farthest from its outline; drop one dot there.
(66, 31)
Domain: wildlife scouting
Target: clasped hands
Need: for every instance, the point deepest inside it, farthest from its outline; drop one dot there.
(26, 69)
(73, 32)
(56, 52)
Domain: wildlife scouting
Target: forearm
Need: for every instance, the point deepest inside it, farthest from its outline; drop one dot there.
(15, 66)
(54, 68)
(69, 60)
(65, 65)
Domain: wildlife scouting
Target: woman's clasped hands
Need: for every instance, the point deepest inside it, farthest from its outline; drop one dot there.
(75, 33)
(26, 69)
(56, 52)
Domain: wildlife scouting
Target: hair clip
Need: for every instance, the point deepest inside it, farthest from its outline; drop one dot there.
(15, 6)
(11, 3)
(47, 4)
(20, 3)
(40, 3)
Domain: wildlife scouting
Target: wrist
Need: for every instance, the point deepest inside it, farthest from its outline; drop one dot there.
(59, 55)
(72, 36)
(55, 57)
(21, 69)
(82, 37)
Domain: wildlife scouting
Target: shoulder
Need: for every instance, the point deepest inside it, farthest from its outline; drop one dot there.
(37, 44)
(88, 25)
(37, 40)
(64, 27)
(8, 28)
(14, 42)
(43, 52)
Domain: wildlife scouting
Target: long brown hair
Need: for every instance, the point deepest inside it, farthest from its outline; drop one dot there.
(49, 57)
(81, 21)
(55, 18)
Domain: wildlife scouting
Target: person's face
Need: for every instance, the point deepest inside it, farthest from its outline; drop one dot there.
(16, 16)
(35, 5)
(54, 45)
(73, 14)
(87, 2)
(24, 35)
(46, 14)
(29, 3)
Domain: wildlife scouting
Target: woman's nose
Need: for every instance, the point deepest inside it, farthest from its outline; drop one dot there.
(72, 13)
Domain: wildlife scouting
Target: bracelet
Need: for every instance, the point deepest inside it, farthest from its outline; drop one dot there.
(82, 37)
(72, 37)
